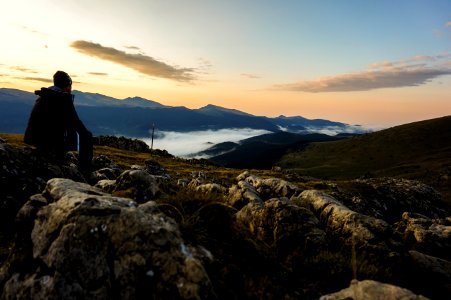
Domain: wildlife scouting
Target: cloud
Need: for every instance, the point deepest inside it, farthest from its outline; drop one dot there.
(138, 62)
(36, 79)
(250, 76)
(423, 58)
(380, 75)
(22, 69)
(184, 144)
(448, 24)
(133, 48)
(98, 73)
(34, 31)
(205, 62)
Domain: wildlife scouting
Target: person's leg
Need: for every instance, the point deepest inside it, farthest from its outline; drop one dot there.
(85, 153)
(71, 140)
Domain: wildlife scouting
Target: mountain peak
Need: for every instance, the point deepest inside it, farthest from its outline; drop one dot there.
(141, 102)
(212, 109)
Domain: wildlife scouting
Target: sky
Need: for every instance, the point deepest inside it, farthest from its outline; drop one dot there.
(373, 63)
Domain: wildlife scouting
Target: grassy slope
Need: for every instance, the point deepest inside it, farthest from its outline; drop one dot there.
(176, 167)
(420, 150)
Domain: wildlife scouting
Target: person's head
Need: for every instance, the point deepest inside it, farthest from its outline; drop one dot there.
(63, 81)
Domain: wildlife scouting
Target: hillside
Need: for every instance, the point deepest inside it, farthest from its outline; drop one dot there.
(170, 228)
(420, 150)
(148, 224)
(263, 151)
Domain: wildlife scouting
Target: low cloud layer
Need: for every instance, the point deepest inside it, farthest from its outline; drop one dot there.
(138, 62)
(183, 144)
(412, 72)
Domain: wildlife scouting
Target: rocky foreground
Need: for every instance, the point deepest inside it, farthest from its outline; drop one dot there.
(141, 233)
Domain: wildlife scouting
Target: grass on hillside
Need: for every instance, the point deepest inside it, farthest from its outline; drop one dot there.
(176, 167)
(419, 151)
(243, 266)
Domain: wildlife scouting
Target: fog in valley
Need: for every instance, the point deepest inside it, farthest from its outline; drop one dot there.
(184, 144)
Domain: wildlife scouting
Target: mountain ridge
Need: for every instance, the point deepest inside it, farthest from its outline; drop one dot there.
(136, 116)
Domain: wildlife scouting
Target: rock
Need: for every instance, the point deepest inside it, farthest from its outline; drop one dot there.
(370, 289)
(432, 264)
(389, 198)
(430, 271)
(183, 182)
(121, 143)
(242, 194)
(103, 161)
(154, 168)
(291, 230)
(137, 184)
(341, 221)
(87, 244)
(211, 188)
(270, 187)
(194, 183)
(106, 185)
(199, 175)
(107, 173)
(23, 173)
(276, 169)
(431, 236)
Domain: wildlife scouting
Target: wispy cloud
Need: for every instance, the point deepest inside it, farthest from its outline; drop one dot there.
(138, 62)
(448, 24)
(411, 72)
(22, 69)
(250, 76)
(98, 73)
(34, 31)
(46, 80)
(133, 48)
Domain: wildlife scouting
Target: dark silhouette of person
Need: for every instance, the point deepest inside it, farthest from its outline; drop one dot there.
(54, 127)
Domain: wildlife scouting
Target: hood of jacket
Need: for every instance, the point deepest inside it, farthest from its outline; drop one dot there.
(52, 92)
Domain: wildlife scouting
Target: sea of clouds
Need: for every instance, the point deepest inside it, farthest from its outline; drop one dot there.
(185, 144)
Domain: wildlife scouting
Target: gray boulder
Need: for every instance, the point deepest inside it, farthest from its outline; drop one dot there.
(87, 244)
(339, 220)
(137, 184)
(270, 187)
(211, 188)
(288, 230)
(241, 194)
(431, 236)
(389, 198)
(434, 271)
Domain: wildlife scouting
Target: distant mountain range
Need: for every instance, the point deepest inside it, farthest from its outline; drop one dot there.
(135, 116)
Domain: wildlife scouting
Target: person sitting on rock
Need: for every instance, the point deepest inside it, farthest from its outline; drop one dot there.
(54, 127)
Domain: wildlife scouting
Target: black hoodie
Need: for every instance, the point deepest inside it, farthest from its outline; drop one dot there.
(53, 122)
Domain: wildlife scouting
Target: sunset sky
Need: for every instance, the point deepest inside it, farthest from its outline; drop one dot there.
(375, 63)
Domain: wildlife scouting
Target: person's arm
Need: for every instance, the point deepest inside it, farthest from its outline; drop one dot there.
(74, 120)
